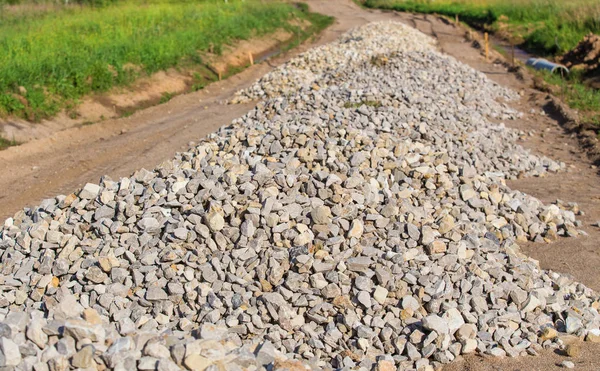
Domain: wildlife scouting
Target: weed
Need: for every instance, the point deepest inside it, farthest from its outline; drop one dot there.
(5, 143)
(166, 97)
(370, 103)
(379, 60)
(198, 86)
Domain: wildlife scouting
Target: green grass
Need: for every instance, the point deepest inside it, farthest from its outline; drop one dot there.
(167, 96)
(5, 143)
(576, 95)
(51, 59)
(545, 26)
(318, 22)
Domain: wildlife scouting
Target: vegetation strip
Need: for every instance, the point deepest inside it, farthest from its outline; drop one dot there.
(577, 96)
(50, 60)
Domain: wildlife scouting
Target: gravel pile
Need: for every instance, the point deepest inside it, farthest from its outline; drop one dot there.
(361, 221)
(354, 47)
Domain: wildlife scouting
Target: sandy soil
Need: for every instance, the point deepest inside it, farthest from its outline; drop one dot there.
(70, 158)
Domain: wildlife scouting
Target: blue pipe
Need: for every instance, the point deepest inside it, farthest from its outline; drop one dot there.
(544, 64)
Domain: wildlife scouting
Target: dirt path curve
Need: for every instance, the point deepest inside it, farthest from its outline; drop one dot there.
(71, 158)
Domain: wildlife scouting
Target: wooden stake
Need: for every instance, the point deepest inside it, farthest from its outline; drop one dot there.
(512, 51)
(456, 19)
(251, 58)
(487, 46)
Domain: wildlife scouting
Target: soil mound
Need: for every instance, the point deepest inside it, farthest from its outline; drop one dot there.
(586, 55)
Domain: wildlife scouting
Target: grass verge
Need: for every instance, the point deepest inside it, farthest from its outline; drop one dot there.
(576, 95)
(318, 22)
(50, 60)
(204, 74)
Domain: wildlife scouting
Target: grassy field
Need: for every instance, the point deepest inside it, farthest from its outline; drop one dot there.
(546, 26)
(51, 58)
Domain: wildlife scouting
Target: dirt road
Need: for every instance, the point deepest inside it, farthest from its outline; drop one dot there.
(70, 158)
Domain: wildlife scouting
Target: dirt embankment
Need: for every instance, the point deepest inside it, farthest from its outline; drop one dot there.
(151, 90)
(586, 57)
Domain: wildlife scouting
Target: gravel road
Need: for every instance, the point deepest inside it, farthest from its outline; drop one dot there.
(356, 221)
(358, 218)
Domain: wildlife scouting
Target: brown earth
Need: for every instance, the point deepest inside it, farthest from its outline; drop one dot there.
(243, 52)
(586, 57)
(70, 158)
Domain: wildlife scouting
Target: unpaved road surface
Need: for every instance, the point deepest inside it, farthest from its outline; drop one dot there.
(71, 158)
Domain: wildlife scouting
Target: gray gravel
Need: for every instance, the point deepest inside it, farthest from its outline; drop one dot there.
(358, 220)
(351, 49)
